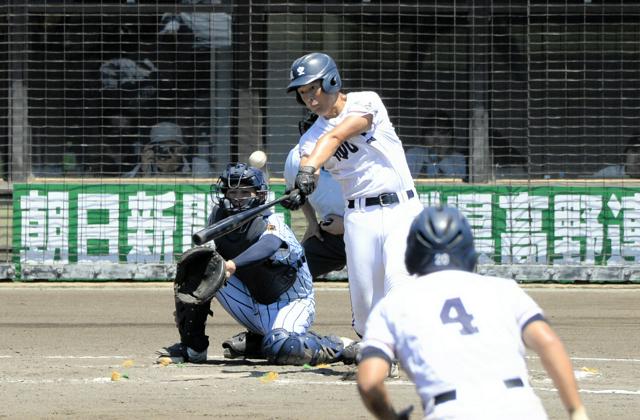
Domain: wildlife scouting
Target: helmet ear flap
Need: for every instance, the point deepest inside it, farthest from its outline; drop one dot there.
(331, 82)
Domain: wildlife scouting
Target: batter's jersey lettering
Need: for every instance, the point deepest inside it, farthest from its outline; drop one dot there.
(344, 150)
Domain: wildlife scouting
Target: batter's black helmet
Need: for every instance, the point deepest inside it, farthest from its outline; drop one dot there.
(240, 176)
(440, 238)
(312, 67)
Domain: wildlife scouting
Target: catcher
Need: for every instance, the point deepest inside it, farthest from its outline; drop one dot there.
(260, 277)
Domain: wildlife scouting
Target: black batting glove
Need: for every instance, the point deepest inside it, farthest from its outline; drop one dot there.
(306, 180)
(295, 200)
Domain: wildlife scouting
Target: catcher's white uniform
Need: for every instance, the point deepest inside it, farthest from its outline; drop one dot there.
(368, 166)
(458, 336)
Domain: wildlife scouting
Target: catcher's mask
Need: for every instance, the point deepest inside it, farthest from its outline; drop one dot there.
(440, 238)
(240, 187)
(306, 122)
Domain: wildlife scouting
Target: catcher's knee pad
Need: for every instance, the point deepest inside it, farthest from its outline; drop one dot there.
(282, 347)
(191, 321)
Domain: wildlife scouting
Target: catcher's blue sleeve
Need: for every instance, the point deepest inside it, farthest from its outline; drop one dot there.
(266, 246)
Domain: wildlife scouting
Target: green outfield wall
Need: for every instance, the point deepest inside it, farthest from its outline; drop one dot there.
(137, 231)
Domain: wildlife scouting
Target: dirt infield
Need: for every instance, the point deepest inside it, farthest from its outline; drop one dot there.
(60, 344)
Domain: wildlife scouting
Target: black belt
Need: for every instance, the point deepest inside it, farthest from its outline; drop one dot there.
(384, 199)
(444, 397)
(452, 395)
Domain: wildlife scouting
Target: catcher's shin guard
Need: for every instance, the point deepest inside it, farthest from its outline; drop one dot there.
(282, 347)
(191, 321)
(246, 344)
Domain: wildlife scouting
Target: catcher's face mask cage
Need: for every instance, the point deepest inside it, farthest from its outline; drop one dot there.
(239, 188)
(306, 123)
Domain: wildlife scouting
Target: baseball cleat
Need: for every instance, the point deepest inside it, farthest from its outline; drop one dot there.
(179, 353)
(246, 345)
(346, 341)
(176, 353)
(350, 352)
(196, 356)
(394, 370)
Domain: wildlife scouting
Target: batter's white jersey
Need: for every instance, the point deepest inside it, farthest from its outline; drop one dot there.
(459, 331)
(370, 163)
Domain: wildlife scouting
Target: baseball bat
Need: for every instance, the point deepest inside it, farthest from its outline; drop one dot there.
(233, 222)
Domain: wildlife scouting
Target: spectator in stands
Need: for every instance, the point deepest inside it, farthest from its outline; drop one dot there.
(208, 29)
(435, 154)
(631, 166)
(508, 161)
(632, 159)
(132, 83)
(164, 155)
(115, 152)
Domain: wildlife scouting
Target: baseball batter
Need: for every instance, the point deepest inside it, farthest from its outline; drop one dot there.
(460, 336)
(355, 141)
(269, 290)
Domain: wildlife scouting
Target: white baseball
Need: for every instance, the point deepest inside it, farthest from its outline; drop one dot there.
(258, 159)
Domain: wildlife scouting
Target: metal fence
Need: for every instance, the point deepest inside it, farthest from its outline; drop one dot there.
(528, 109)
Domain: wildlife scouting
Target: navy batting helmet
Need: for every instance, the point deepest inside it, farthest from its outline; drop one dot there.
(440, 238)
(240, 176)
(312, 67)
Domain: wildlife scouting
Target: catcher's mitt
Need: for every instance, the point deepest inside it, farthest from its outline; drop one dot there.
(199, 275)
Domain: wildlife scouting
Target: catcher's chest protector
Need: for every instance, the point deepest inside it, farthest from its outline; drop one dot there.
(233, 244)
(266, 280)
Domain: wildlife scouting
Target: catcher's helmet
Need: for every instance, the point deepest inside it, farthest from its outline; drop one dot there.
(243, 177)
(440, 238)
(306, 122)
(312, 67)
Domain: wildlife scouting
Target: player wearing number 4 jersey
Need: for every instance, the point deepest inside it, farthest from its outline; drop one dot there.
(355, 141)
(460, 336)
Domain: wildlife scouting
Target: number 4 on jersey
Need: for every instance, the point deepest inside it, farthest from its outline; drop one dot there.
(453, 311)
